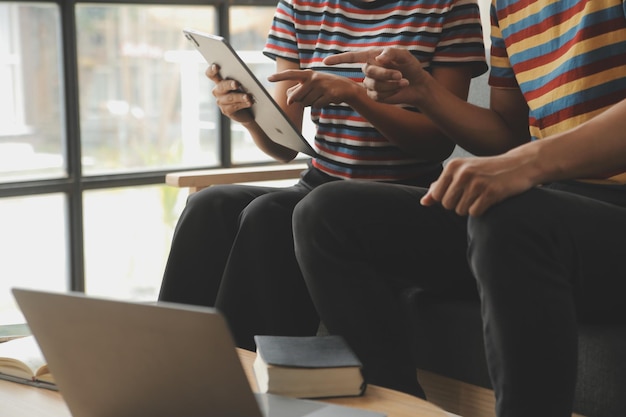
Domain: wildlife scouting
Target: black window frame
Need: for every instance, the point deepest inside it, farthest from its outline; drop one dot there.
(75, 184)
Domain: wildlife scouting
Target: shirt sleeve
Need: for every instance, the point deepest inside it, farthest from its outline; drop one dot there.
(461, 40)
(501, 74)
(282, 40)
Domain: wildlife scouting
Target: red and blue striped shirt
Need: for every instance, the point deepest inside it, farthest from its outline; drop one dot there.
(437, 32)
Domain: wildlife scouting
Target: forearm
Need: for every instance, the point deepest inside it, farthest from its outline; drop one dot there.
(591, 150)
(412, 132)
(479, 130)
(268, 146)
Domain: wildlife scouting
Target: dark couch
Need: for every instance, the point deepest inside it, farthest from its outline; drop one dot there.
(449, 343)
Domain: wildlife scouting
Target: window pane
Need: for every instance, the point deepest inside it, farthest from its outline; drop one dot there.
(127, 239)
(32, 132)
(249, 29)
(142, 104)
(33, 248)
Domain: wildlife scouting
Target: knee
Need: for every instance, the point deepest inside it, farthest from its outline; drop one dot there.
(509, 235)
(506, 224)
(213, 206)
(312, 208)
(207, 199)
(318, 207)
(263, 213)
(198, 210)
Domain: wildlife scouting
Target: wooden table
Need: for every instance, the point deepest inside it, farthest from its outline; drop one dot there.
(17, 400)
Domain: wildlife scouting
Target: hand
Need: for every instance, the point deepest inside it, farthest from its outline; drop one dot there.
(316, 89)
(390, 73)
(232, 102)
(469, 186)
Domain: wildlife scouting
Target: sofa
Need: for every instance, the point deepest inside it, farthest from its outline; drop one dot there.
(450, 347)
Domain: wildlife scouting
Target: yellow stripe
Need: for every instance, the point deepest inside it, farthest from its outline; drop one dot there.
(554, 32)
(495, 31)
(565, 124)
(525, 12)
(586, 46)
(500, 62)
(577, 85)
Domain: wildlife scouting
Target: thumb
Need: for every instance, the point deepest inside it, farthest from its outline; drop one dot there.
(394, 57)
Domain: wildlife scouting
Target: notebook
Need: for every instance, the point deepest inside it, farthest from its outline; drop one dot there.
(115, 358)
(268, 115)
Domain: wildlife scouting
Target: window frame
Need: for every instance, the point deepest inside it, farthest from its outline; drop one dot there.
(75, 183)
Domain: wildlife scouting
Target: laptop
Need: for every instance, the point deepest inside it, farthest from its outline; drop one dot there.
(115, 358)
(267, 113)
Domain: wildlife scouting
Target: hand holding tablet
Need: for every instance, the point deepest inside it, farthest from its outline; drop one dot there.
(266, 112)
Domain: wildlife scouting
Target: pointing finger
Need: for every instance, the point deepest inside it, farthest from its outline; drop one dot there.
(352, 57)
(290, 75)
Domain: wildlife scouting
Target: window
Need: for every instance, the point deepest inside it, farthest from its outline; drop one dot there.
(99, 102)
(32, 131)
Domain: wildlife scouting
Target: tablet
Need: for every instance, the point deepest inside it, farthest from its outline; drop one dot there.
(268, 115)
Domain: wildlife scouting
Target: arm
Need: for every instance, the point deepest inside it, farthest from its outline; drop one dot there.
(595, 148)
(235, 105)
(395, 76)
(413, 132)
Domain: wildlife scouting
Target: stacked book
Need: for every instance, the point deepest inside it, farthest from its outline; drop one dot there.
(307, 367)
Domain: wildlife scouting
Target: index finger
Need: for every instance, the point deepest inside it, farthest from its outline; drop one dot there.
(290, 75)
(437, 190)
(354, 57)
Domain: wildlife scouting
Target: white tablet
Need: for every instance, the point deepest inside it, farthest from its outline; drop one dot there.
(268, 115)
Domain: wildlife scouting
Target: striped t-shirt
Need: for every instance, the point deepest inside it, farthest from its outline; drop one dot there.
(567, 57)
(438, 32)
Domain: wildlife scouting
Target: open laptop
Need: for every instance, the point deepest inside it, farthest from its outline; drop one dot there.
(268, 115)
(122, 359)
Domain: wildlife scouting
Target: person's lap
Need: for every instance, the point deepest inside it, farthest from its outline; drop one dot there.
(359, 245)
(262, 290)
(202, 240)
(544, 261)
(233, 249)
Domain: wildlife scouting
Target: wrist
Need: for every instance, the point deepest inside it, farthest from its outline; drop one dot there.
(357, 95)
(535, 167)
(424, 89)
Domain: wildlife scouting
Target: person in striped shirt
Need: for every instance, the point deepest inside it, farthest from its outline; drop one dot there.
(540, 214)
(233, 245)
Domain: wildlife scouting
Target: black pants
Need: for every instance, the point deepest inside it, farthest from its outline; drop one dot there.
(233, 249)
(356, 262)
(359, 245)
(544, 261)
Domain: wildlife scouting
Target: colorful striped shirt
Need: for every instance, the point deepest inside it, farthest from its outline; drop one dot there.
(437, 32)
(568, 58)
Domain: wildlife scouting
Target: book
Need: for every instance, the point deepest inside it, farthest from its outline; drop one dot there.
(21, 361)
(307, 367)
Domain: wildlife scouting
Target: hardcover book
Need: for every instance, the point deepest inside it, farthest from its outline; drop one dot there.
(307, 367)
